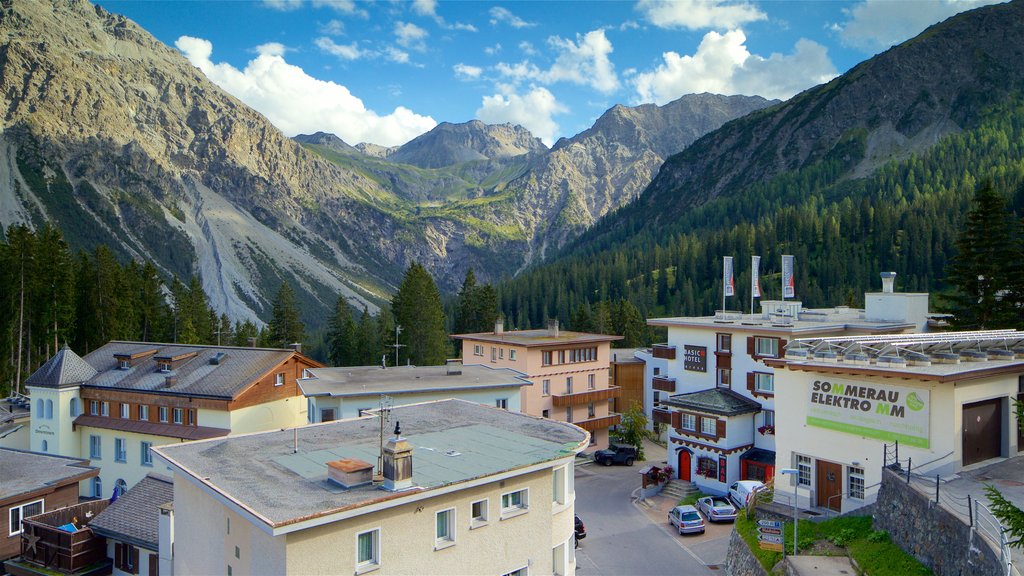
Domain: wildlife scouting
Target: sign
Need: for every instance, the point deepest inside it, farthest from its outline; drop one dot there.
(755, 276)
(769, 531)
(770, 546)
(769, 535)
(770, 538)
(788, 282)
(695, 358)
(769, 524)
(880, 411)
(727, 279)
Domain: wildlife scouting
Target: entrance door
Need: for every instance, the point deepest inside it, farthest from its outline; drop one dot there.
(829, 485)
(983, 431)
(684, 465)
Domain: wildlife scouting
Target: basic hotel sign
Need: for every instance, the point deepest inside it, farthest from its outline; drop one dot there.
(882, 411)
(695, 358)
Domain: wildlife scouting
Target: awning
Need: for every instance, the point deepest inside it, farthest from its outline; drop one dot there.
(759, 455)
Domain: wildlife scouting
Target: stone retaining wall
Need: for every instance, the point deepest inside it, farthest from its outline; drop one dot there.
(739, 560)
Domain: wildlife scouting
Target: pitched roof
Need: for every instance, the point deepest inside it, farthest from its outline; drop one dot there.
(153, 428)
(135, 516)
(532, 338)
(64, 369)
(714, 401)
(22, 472)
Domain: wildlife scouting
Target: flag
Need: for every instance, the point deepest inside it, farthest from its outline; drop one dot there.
(788, 281)
(755, 276)
(727, 280)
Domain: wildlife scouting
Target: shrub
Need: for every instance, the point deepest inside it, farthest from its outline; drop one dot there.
(878, 536)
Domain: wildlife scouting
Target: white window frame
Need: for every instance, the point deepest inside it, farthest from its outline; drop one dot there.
(104, 408)
(704, 421)
(145, 456)
(511, 353)
(494, 354)
(120, 450)
(126, 410)
(279, 379)
(442, 541)
(769, 351)
(591, 411)
(547, 358)
(97, 487)
(803, 466)
(723, 342)
(768, 418)
(591, 381)
(478, 350)
(501, 353)
(21, 515)
(501, 403)
(95, 442)
(855, 473)
(373, 563)
(724, 377)
(124, 364)
(144, 412)
(759, 382)
(688, 422)
(178, 415)
(559, 487)
(513, 510)
(568, 384)
(163, 410)
(94, 407)
(545, 387)
(478, 521)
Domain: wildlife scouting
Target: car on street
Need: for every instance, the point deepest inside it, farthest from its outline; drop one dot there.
(716, 508)
(616, 454)
(740, 492)
(686, 519)
(581, 531)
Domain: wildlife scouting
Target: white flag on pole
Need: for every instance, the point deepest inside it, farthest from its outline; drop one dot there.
(727, 279)
(755, 276)
(788, 280)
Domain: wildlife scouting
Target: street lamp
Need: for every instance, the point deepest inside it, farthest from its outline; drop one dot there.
(796, 482)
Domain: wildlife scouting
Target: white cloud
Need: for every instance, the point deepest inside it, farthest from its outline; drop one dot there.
(343, 51)
(698, 14)
(396, 55)
(584, 62)
(425, 7)
(283, 5)
(467, 72)
(341, 6)
(527, 48)
(272, 48)
(410, 36)
(875, 25)
(462, 26)
(501, 15)
(332, 28)
(492, 50)
(533, 111)
(723, 65)
(297, 103)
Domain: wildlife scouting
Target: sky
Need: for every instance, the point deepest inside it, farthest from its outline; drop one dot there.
(387, 71)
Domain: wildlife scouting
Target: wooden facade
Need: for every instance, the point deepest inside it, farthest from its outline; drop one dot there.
(628, 376)
(45, 545)
(53, 497)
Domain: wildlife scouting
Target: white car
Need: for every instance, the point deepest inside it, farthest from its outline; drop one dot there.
(741, 491)
(686, 519)
(716, 509)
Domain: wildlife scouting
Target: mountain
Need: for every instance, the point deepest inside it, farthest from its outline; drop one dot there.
(872, 171)
(447, 144)
(329, 141)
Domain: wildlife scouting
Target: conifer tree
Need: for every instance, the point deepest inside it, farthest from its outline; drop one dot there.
(341, 344)
(368, 348)
(285, 326)
(417, 309)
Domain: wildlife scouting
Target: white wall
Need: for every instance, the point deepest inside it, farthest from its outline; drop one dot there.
(57, 431)
(349, 406)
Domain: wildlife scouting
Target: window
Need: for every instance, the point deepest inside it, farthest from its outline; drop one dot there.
(724, 343)
(764, 382)
(558, 563)
(45, 446)
(501, 403)
(657, 371)
(558, 489)
(657, 396)
(279, 379)
(191, 417)
(545, 413)
(590, 410)
(95, 447)
(73, 407)
(494, 354)
(769, 418)
(766, 347)
(724, 378)
(856, 481)
(803, 466)
(229, 570)
(163, 366)
(479, 511)
(126, 558)
(591, 382)
(478, 350)
(238, 553)
(444, 528)
(501, 353)
(104, 408)
(368, 550)
(39, 408)
(97, 487)
(228, 524)
(561, 356)
(568, 385)
(124, 364)
(126, 410)
(515, 502)
(143, 412)
(708, 426)
(49, 409)
(94, 407)
(524, 571)
(707, 467)
(511, 353)
(568, 413)
(546, 357)
(120, 450)
(19, 513)
(146, 457)
(179, 415)
(689, 422)
(163, 414)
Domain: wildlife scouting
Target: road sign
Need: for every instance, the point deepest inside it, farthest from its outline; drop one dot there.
(769, 531)
(769, 524)
(771, 546)
(771, 538)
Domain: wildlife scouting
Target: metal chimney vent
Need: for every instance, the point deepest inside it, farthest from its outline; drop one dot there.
(218, 358)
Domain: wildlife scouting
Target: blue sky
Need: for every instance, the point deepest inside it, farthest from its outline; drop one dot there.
(387, 71)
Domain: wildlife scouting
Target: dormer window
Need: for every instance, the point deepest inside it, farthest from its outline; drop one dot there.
(124, 364)
(163, 366)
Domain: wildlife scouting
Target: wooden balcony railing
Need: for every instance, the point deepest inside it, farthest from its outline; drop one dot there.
(595, 424)
(45, 545)
(560, 400)
(664, 351)
(664, 384)
(661, 416)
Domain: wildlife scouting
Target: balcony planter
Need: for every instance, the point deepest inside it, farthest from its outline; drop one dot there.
(766, 430)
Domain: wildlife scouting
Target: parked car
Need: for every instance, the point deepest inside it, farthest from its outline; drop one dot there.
(616, 454)
(716, 508)
(581, 531)
(741, 491)
(686, 519)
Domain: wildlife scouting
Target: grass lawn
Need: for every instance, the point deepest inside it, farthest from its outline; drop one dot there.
(853, 536)
(691, 499)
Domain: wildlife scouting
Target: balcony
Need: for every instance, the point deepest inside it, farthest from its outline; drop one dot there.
(48, 546)
(595, 424)
(664, 384)
(661, 416)
(664, 351)
(560, 400)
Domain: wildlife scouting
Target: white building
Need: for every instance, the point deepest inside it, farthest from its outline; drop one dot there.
(944, 398)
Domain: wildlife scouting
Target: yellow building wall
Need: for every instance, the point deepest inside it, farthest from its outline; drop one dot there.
(19, 440)
(132, 470)
(284, 413)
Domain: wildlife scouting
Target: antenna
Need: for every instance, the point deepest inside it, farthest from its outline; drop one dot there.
(396, 345)
(384, 419)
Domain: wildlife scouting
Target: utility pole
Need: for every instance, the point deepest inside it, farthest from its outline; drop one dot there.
(396, 345)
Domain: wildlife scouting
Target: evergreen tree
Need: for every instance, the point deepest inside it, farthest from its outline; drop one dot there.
(630, 324)
(580, 321)
(285, 326)
(244, 331)
(368, 349)
(341, 343)
(465, 307)
(225, 334)
(417, 309)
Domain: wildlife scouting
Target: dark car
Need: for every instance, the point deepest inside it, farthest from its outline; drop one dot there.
(616, 454)
(581, 531)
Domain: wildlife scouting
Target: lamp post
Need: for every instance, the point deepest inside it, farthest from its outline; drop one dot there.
(796, 482)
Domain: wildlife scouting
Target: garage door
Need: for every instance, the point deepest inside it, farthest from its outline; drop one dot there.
(983, 431)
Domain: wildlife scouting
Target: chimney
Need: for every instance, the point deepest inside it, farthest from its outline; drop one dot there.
(499, 326)
(252, 342)
(454, 367)
(297, 346)
(397, 462)
(350, 472)
(553, 328)
(170, 381)
(888, 280)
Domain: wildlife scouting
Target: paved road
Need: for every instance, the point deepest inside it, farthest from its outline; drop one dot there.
(621, 540)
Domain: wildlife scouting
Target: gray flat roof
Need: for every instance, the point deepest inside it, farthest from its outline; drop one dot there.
(23, 472)
(363, 380)
(811, 320)
(529, 338)
(453, 441)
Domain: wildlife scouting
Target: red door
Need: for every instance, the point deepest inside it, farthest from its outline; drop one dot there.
(684, 465)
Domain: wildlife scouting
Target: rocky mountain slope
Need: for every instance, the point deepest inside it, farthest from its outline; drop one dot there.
(448, 144)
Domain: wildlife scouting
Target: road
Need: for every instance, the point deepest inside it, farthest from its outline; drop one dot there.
(621, 540)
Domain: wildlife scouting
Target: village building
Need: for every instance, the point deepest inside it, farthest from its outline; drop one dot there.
(131, 526)
(569, 372)
(347, 392)
(463, 489)
(627, 374)
(15, 419)
(120, 400)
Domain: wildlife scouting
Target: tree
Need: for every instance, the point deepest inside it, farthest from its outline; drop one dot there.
(477, 306)
(630, 324)
(285, 326)
(368, 349)
(1011, 516)
(633, 428)
(341, 344)
(417, 309)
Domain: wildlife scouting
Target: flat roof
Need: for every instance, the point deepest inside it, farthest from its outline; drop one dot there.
(364, 380)
(530, 338)
(810, 320)
(23, 472)
(454, 441)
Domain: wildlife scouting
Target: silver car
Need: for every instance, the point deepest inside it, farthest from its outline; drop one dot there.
(686, 519)
(716, 509)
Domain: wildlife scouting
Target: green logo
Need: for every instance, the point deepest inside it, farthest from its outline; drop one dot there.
(914, 403)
